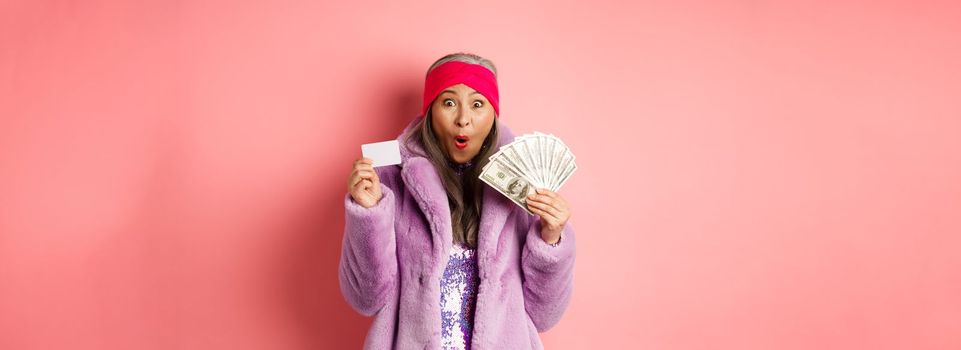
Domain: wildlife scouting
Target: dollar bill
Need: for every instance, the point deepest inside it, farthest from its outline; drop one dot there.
(531, 161)
(511, 184)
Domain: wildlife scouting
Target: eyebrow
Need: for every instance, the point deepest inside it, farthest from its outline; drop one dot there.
(455, 93)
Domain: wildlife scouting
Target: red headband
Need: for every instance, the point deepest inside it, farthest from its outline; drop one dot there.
(455, 72)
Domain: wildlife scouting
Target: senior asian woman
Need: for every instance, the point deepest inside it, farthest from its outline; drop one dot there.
(441, 260)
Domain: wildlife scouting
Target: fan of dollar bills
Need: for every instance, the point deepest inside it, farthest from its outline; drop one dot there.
(532, 161)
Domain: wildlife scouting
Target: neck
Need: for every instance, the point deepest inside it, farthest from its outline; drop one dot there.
(458, 167)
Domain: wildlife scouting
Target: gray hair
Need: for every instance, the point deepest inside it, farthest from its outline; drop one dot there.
(466, 58)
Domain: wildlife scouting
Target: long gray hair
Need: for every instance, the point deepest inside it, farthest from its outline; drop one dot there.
(464, 193)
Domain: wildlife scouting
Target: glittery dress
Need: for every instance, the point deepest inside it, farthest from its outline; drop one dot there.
(458, 292)
(458, 297)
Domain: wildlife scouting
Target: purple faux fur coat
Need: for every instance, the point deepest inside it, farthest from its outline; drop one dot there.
(395, 253)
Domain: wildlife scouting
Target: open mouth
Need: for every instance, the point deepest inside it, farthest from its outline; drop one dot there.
(460, 141)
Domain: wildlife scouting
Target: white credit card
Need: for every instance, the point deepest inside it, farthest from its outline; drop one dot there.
(383, 153)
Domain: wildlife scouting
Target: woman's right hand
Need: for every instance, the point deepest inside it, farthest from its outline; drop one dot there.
(364, 185)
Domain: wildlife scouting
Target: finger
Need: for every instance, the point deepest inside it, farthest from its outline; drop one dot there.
(558, 201)
(562, 214)
(363, 166)
(367, 174)
(358, 175)
(359, 186)
(354, 180)
(538, 204)
(543, 199)
(364, 160)
(546, 208)
(366, 184)
(537, 211)
(547, 217)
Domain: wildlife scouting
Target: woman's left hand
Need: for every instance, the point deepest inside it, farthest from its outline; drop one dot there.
(552, 208)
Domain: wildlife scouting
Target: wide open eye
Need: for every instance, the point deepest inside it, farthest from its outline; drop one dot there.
(478, 104)
(449, 103)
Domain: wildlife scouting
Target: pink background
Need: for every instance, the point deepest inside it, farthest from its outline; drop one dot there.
(753, 174)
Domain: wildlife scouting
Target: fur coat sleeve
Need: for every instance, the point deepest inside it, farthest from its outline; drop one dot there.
(548, 275)
(368, 261)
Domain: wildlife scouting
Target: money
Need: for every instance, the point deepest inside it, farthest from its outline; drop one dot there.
(531, 161)
(509, 183)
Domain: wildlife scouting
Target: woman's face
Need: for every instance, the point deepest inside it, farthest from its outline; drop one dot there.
(461, 120)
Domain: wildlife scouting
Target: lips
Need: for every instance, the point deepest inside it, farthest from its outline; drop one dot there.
(460, 141)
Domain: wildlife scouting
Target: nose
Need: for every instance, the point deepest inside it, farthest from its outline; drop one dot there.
(462, 119)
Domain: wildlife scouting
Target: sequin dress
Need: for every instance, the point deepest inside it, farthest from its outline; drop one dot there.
(458, 292)
(458, 297)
